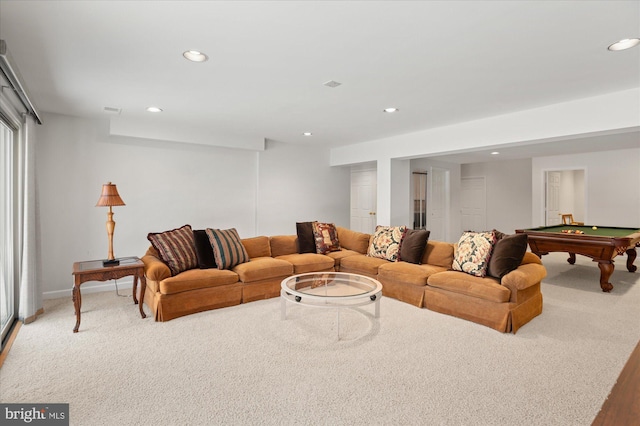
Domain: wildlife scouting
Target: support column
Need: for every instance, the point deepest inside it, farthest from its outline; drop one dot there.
(384, 191)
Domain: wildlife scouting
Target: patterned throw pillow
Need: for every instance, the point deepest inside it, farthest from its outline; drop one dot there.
(326, 237)
(473, 252)
(176, 248)
(227, 248)
(386, 241)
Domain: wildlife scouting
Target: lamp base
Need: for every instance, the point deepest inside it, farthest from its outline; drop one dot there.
(110, 262)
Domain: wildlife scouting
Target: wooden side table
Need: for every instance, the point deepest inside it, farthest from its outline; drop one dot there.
(93, 270)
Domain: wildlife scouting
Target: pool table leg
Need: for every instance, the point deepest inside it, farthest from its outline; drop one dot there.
(572, 258)
(606, 269)
(631, 257)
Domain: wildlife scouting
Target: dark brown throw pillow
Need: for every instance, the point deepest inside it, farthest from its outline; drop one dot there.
(413, 245)
(306, 239)
(204, 251)
(507, 255)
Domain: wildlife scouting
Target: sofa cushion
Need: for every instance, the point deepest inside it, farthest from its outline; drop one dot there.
(353, 240)
(362, 264)
(306, 239)
(507, 254)
(285, 244)
(413, 245)
(473, 251)
(257, 246)
(262, 268)
(197, 278)
(227, 248)
(204, 251)
(176, 248)
(308, 262)
(408, 273)
(486, 288)
(438, 253)
(385, 243)
(338, 255)
(326, 237)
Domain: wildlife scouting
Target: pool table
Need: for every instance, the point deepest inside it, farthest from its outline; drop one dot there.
(601, 245)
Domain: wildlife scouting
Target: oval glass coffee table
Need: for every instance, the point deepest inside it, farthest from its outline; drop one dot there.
(330, 290)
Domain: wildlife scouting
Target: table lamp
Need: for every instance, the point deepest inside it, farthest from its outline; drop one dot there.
(109, 198)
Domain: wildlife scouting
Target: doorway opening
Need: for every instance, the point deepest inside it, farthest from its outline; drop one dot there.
(564, 194)
(419, 200)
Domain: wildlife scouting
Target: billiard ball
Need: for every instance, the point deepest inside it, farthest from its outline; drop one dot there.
(594, 227)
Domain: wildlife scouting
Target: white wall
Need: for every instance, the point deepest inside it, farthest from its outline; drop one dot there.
(296, 184)
(612, 182)
(508, 186)
(166, 185)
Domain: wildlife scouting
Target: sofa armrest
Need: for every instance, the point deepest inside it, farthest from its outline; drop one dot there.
(154, 268)
(525, 276)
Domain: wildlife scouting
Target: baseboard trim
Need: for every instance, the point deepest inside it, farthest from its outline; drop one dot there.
(32, 318)
(90, 287)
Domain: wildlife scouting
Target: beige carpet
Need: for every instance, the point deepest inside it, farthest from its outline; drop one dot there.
(243, 365)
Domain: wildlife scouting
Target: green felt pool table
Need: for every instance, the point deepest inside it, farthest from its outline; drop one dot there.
(601, 245)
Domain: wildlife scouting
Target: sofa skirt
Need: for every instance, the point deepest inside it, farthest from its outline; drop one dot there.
(260, 290)
(165, 307)
(491, 314)
(407, 293)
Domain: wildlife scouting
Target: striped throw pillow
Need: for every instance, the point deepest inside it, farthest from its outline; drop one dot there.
(227, 248)
(176, 248)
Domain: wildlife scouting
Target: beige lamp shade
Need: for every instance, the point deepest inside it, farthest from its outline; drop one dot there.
(109, 196)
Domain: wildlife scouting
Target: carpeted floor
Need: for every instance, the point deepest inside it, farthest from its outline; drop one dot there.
(243, 365)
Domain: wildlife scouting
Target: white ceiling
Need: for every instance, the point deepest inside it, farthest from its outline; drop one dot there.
(439, 62)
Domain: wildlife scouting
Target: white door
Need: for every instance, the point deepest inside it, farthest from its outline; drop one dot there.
(553, 198)
(473, 204)
(363, 201)
(438, 204)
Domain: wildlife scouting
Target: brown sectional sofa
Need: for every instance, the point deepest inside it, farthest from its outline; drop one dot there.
(504, 305)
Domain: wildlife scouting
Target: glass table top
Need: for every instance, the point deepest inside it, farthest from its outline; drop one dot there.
(331, 284)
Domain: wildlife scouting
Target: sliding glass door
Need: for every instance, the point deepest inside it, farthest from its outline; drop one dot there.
(7, 259)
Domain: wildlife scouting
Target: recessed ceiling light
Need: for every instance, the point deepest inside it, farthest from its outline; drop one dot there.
(154, 109)
(627, 43)
(391, 110)
(307, 133)
(195, 56)
(495, 153)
